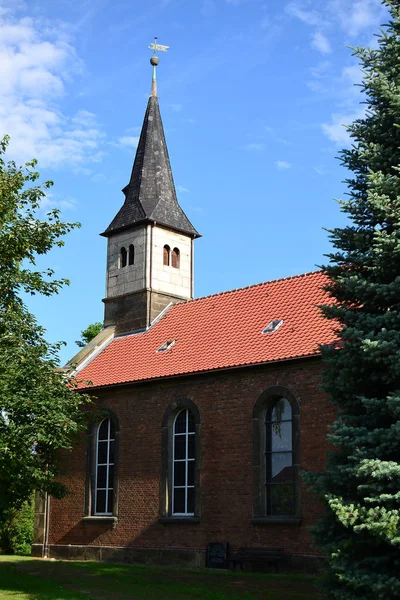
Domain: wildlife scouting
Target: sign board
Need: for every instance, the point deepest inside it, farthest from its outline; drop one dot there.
(217, 555)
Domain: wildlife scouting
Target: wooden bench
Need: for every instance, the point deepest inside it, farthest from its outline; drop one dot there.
(270, 556)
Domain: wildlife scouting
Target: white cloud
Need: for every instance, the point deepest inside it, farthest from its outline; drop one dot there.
(282, 165)
(182, 189)
(36, 62)
(308, 16)
(336, 130)
(321, 43)
(359, 15)
(352, 74)
(128, 141)
(255, 146)
(352, 16)
(51, 201)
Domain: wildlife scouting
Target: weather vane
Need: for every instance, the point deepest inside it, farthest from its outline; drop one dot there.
(154, 46)
(154, 60)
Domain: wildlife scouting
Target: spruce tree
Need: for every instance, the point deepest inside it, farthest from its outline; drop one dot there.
(360, 533)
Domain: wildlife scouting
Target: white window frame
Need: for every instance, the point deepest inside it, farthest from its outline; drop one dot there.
(186, 460)
(108, 464)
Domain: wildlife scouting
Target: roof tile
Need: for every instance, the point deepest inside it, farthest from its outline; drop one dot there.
(221, 331)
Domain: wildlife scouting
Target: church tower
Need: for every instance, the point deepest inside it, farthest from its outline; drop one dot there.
(150, 240)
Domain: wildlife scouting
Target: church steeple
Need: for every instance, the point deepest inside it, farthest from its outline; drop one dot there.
(150, 195)
(150, 240)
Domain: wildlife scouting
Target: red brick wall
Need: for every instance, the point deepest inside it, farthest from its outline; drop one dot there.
(225, 401)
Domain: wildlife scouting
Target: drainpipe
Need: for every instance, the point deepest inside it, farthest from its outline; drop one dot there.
(46, 526)
(151, 273)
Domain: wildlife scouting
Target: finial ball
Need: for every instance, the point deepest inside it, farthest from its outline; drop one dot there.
(154, 60)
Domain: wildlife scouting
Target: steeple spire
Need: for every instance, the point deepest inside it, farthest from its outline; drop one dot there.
(150, 196)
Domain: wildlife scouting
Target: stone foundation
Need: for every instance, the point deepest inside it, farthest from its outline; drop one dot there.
(191, 559)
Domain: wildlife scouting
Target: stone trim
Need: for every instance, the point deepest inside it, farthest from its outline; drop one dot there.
(100, 519)
(166, 461)
(179, 520)
(90, 482)
(268, 397)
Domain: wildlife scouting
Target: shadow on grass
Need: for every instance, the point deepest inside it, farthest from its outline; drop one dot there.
(33, 579)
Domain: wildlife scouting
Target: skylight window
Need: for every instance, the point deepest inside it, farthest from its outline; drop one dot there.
(166, 345)
(272, 326)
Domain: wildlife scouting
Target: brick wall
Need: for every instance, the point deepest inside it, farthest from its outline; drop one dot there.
(225, 401)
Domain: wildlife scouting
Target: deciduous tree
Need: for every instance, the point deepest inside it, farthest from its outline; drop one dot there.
(40, 413)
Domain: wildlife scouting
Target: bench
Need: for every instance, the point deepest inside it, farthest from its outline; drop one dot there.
(270, 556)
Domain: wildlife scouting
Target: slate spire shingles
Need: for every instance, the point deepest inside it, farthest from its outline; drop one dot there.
(150, 195)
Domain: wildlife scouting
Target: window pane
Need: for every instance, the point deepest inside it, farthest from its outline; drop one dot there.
(103, 430)
(101, 477)
(111, 476)
(191, 445)
(180, 446)
(282, 502)
(192, 424)
(112, 452)
(179, 473)
(191, 472)
(281, 436)
(190, 500)
(179, 500)
(112, 430)
(282, 410)
(180, 422)
(281, 467)
(101, 501)
(102, 453)
(110, 501)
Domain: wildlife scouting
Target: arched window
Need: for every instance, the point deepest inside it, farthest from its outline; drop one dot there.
(166, 255)
(180, 484)
(279, 467)
(175, 258)
(131, 255)
(275, 452)
(183, 463)
(105, 462)
(101, 498)
(122, 259)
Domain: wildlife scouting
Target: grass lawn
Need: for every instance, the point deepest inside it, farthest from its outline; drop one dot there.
(23, 578)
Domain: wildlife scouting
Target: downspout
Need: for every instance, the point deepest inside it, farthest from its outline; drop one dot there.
(46, 526)
(151, 275)
(192, 269)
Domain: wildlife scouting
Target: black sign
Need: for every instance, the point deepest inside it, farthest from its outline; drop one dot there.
(217, 555)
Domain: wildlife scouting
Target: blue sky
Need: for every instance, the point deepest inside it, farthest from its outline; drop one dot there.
(253, 94)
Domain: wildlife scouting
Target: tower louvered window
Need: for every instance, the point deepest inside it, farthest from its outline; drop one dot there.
(175, 258)
(166, 255)
(131, 255)
(123, 257)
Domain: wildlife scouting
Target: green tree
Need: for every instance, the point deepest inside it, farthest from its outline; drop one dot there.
(360, 533)
(40, 413)
(89, 333)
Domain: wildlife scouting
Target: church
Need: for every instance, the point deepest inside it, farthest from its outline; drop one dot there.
(211, 407)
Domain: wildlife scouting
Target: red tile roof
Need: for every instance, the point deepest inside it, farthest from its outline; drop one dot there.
(221, 331)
